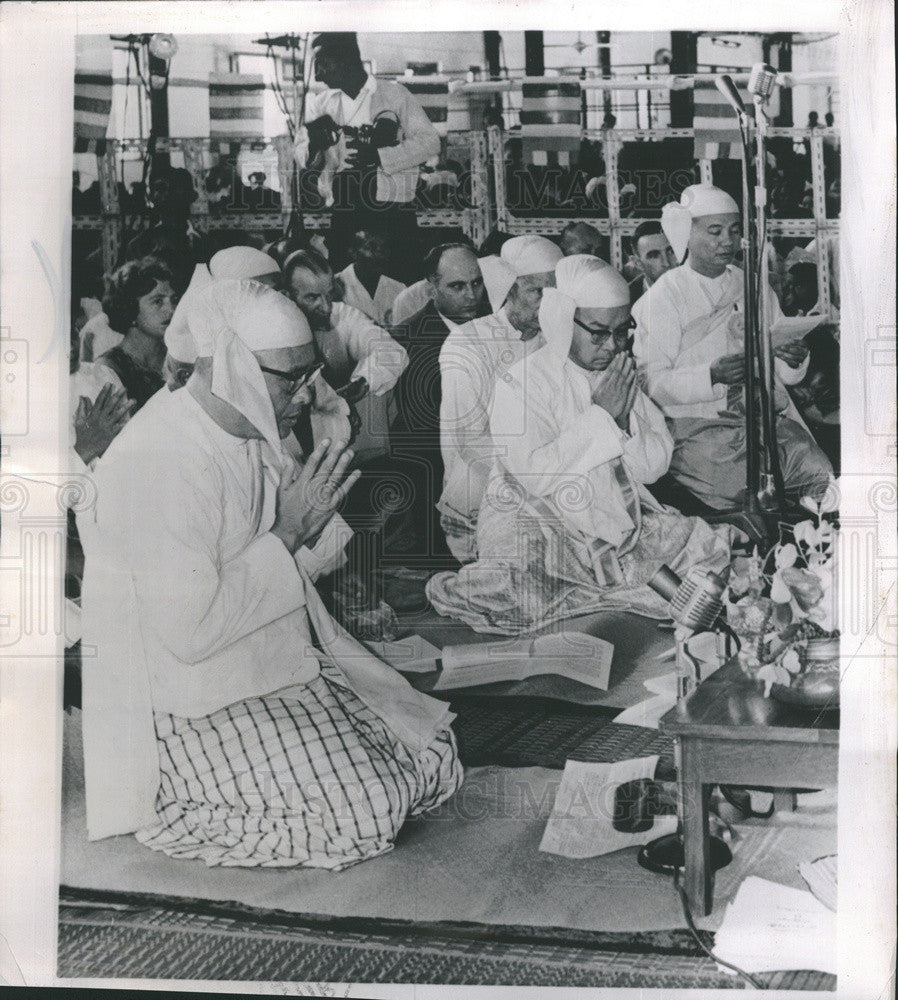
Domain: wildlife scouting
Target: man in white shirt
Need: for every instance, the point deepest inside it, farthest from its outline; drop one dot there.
(217, 726)
(566, 526)
(365, 282)
(689, 345)
(354, 348)
(471, 358)
(370, 138)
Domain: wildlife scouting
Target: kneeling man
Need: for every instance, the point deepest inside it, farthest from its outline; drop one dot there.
(226, 716)
(566, 526)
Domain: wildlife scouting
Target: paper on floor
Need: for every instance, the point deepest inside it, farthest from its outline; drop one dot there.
(771, 927)
(412, 655)
(575, 655)
(822, 879)
(647, 713)
(581, 822)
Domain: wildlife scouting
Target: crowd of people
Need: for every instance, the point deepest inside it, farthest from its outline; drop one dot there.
(264, 435)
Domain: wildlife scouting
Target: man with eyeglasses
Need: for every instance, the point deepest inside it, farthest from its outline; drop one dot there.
(566, 525)
(225, 712)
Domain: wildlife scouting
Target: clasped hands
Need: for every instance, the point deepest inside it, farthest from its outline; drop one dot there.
(616, 389)
(308, 498)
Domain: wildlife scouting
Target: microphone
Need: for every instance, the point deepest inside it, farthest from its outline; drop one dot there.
(761, 81)
(695, 602)
(726, 86)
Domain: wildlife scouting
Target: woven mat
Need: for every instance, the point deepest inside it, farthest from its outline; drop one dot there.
(105, 934)
(543, 732)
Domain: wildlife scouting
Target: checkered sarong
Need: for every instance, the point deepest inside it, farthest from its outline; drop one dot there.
(279, 782)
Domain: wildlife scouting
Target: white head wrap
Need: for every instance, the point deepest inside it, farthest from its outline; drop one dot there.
(229, 320)
(498, 277)
(530, 255)
(581, 282)
(178, 340)
(242, 262)
(697, 200)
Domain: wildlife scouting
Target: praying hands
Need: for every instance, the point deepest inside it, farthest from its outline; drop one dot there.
(307, 501)
(617, 388)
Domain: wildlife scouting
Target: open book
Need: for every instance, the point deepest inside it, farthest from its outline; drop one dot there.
(575, 655)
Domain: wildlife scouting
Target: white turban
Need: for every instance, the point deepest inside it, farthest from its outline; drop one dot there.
(498, 277)
(697, 200)
(530, 255)
(581, 282)
(242, 262)
(229, 320)
(178, 340)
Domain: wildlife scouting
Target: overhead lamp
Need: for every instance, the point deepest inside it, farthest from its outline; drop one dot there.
(163, 46)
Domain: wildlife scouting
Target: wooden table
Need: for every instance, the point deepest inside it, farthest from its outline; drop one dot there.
(730, 734)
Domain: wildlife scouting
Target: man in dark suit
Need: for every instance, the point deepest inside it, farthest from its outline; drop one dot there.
(652, 255)
(457, 296)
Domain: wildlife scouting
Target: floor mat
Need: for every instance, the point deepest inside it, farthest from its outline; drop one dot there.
(118, 935)
(544, 732)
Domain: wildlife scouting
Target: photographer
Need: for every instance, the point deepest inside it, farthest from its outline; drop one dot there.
(369, 139)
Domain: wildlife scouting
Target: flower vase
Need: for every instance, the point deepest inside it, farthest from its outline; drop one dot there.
(750, 619)
(816, 685)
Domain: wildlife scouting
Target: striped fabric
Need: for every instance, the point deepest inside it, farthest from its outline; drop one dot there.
(551, 122)
(716, 127)
(235, 105)
(93, 103)
(306, 777)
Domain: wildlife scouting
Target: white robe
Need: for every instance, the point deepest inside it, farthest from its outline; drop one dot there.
(566, 526)
(410, 301)
(684, 323)
(471, 358)
(559, 445)
(192, 604)
(377, 308)
(356, 347)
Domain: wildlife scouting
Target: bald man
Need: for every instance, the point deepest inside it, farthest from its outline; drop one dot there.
(457, 295)
(690, 346)
(566, 525)
(580, 237)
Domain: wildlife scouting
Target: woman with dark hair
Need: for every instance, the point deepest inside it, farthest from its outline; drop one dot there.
(139, 303)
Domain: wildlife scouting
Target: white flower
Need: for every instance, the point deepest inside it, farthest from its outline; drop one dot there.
(779, 592)
(790, 661)
(785, 555)
(806, 533)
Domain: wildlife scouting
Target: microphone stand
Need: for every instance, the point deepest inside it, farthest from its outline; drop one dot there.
(753, 517)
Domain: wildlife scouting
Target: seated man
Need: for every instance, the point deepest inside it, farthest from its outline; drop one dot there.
(471, 358)
(690, 346)
(566, 526)
(652, 255)
(226, 717)
(366, 284)
(580, 237)
(352, 346)
(458, 295)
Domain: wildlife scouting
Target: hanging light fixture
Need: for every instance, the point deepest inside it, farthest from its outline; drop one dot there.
(163, 46)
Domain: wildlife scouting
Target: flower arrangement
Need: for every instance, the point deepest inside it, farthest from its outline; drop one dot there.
(783, 604)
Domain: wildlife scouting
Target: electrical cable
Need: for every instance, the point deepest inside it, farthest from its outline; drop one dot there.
(690, 923)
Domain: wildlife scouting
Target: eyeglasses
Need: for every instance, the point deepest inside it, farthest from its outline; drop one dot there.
(622, 334)
(296, 377)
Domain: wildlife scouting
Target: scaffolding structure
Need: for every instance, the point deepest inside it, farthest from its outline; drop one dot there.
(487, 206)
